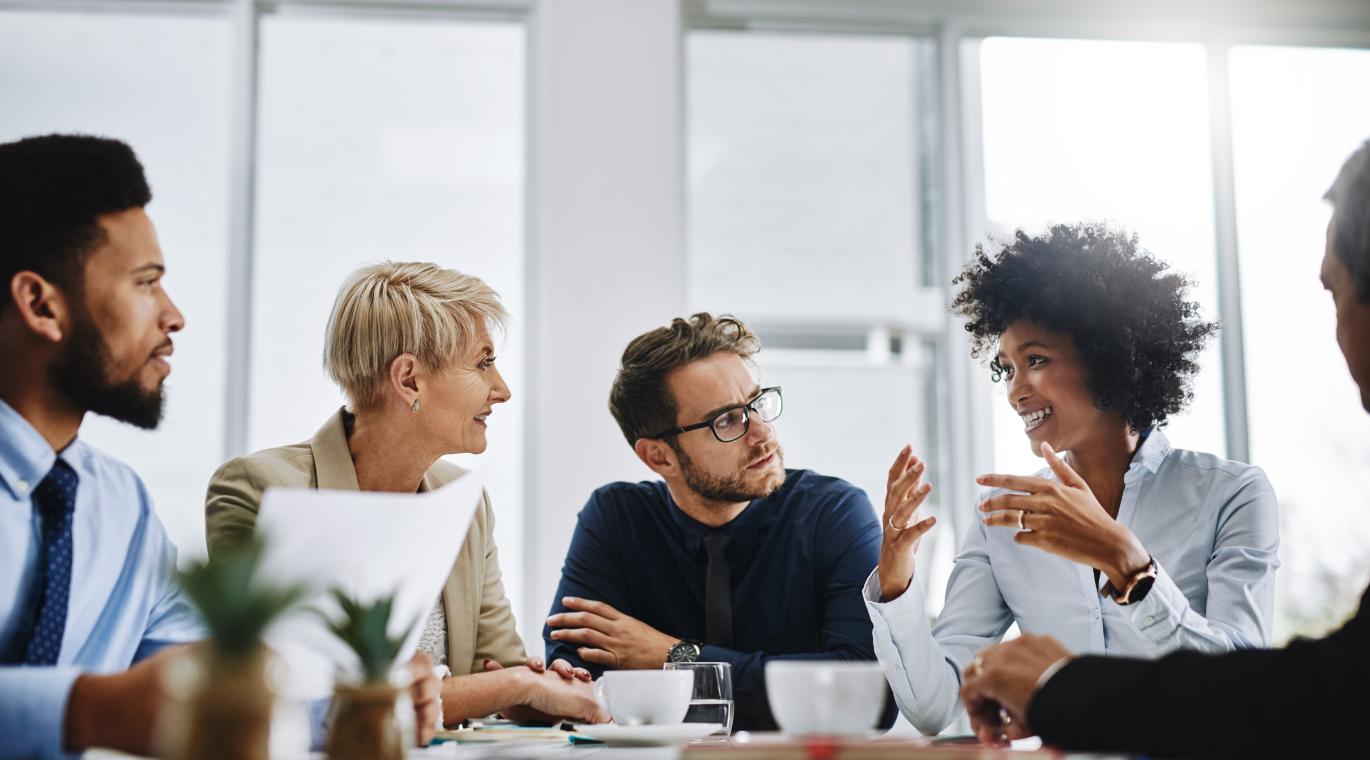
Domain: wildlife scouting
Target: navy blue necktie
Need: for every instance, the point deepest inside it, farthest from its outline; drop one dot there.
(55, 499)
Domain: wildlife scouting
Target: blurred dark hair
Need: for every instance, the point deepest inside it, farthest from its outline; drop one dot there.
(1350, 199)
(53, 190)
(1136, 332)
(639, 400)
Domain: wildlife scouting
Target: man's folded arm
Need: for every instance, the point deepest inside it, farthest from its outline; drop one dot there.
(590, 572)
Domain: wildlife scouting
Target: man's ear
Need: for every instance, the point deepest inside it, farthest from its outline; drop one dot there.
(42, 306)
(658, 455)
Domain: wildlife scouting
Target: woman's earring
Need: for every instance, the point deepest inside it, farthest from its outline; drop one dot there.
(414, 407)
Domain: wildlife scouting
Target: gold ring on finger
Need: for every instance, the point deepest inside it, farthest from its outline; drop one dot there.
(1022, 513)
(893, 527)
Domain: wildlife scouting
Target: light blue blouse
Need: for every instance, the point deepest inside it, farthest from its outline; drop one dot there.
(1212, 526)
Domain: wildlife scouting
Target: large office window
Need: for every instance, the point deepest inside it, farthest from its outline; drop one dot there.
(377, 139)
(805, 218)
(162, 84)
(386, 140)
(1297, 113)
(1104, 131)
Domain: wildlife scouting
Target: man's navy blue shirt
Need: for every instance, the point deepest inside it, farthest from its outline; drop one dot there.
(798, 561)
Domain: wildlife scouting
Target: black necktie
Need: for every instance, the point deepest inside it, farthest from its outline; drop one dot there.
(55, 498)
(718, 600)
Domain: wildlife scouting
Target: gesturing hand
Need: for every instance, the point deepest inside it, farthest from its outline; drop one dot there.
(1000, 682)
(1063, 517)
(905, 491)
(609, 637)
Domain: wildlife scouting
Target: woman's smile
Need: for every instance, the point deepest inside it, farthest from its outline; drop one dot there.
(1035, 419)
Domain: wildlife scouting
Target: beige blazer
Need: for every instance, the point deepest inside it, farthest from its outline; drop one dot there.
(480, 622)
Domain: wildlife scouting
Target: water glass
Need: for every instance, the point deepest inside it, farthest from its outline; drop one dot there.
(712, 699)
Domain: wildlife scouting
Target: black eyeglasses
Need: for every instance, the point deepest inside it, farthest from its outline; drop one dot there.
(732, 423)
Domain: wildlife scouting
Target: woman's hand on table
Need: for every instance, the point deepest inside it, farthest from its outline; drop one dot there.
(559, 666)
(424, 693)
(552, 694)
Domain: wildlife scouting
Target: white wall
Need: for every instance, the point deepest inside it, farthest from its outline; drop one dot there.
(606, 257)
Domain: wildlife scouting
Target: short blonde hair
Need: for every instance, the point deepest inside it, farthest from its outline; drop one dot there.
(393, 308)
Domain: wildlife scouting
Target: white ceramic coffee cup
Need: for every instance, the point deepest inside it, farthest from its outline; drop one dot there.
(645, 697)
(825, 697)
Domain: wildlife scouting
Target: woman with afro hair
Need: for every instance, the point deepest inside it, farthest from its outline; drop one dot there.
(1121, 544)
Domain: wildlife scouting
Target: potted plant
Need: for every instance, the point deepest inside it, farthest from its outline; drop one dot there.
(222, 694)
(363, 723)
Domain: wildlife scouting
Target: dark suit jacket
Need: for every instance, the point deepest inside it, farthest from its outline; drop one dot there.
(1310, 698)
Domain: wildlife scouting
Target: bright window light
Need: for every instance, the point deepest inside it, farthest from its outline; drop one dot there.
(1297, 113)
(161, 84)
(1084, 130)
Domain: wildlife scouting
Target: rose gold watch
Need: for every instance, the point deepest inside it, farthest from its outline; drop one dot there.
(1138, 586)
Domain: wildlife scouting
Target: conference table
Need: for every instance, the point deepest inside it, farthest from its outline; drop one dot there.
(759, 746)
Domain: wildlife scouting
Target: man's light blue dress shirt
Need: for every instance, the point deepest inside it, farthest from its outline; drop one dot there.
(1212, 526)
(123, 604)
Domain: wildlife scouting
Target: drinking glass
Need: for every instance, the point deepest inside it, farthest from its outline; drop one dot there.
(712, 699)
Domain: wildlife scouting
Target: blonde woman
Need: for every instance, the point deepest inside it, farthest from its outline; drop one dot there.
(410, 346)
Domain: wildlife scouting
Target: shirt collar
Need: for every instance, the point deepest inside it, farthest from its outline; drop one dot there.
(1153, 451)
(25, 456)
(741, 529)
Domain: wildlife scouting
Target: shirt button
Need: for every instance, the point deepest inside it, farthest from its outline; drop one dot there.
(21, 486)
(1096, 613)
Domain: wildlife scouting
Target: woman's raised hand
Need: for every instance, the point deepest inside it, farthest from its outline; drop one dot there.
(905, 492)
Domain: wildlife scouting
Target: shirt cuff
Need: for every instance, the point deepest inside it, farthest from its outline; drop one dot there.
(909, 602)
(33, 710)
(318, 712)
(1051, 671)
(1160, 616)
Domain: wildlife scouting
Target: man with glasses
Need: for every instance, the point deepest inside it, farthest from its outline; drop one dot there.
(729, 557)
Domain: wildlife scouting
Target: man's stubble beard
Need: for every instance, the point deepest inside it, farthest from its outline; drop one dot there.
(727, 490)
(81, 374)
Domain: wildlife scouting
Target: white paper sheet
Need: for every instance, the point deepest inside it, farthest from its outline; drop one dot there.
(368, 545)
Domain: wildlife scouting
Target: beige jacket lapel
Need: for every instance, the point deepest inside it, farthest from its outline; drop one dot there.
(480, 623)
(332, 459)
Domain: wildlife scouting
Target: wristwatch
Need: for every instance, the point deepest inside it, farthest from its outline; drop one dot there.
(685, 650)
(1138, 586)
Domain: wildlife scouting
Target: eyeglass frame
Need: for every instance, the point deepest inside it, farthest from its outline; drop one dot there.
(747, 408)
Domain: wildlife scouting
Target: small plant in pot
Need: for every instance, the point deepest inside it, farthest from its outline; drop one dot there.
(222, 694)
(363, 723)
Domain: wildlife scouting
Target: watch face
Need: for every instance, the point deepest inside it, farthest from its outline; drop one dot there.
(685, 651)
(1141, 588)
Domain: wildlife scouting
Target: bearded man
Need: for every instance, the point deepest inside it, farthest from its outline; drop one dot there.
(89, 609)
(729, 557)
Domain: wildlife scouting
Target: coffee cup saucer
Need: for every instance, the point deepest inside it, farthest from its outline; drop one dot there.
(648, 735)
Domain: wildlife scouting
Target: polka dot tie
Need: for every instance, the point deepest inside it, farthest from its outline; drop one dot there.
(55, 499)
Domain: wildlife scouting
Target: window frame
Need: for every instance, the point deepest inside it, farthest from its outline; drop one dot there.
(960, 218)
